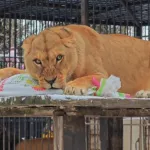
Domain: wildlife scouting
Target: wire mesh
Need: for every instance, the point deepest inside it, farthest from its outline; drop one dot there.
(130, 17)
(26, 133)
(19, 19)
(104, 133)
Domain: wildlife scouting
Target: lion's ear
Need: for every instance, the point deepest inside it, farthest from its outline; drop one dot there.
(63, 32)
(27, 43)
(69, 41)
(67, 37)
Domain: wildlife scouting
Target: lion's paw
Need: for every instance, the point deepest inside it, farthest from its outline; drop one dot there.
(74, 89)
(143, 94)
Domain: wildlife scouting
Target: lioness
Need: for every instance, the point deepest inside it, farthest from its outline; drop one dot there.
(35, 144)
(69, 56)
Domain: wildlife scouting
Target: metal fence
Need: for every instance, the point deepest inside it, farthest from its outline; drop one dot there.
(15, 130)
(102, 133)
(19, 19)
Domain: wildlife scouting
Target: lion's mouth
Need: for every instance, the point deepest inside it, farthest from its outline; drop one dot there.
(54, 88)
(56, 85)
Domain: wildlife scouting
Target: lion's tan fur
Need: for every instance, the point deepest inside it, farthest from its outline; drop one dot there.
(35, 144)
(87, 54)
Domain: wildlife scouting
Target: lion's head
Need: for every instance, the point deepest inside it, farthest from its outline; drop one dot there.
(50, 57)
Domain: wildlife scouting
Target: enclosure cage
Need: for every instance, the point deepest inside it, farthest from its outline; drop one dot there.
(22, 18)
(19, 19)
(13, 130)
(97, 133)
(107, 133)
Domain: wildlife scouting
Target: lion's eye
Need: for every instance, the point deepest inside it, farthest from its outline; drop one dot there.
(37, 61)
(59, 57)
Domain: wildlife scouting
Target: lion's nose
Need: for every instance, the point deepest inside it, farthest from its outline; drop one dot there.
(51, 82)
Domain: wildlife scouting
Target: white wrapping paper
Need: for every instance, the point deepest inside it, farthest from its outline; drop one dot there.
(24, 85)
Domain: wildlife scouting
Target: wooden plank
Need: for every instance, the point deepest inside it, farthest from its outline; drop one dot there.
(73, 105)
(113, 112)
(73, 101)
(101, 103)
(74, 111)
(58, 131)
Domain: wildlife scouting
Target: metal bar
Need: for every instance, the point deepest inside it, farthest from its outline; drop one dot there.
(19, 134)
(130, 13)
(53, 12)
(42, 122)
(131, 133)
(71, 14)
(140, 135)
(84, 12)
(36, 130)
(9, 137)
(120, 13)
(93, 17)
(14, 130)
(25, 124)
(20, 38)
(48, 129)
(106, 26)
(4, 40)
(100, 23)
(59, 12)
(113, 16)
(66, 15)
(48, 13)
(10, 32)
(148, 20)
(134, 22)
(86, 133)
(25, 19)
(78, 13)
(4, 131)
(30, 19)
(148, 135)
(15, 37)
(127, 15)
(141, 17)
(36, 31)
(42, 14)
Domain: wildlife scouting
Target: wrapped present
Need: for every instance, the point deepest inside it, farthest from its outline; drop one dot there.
(107, 88)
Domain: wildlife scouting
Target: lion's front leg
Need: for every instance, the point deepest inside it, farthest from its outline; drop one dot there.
(81, 85)
(8, 72)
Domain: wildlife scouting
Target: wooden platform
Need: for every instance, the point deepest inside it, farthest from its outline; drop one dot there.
(69, 116)
(73, 105)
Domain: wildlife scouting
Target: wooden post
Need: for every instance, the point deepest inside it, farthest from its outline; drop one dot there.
(111, 132)
(58, 117)
(104, 133)
(115, 133)
(84, 12)
(74, 133)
